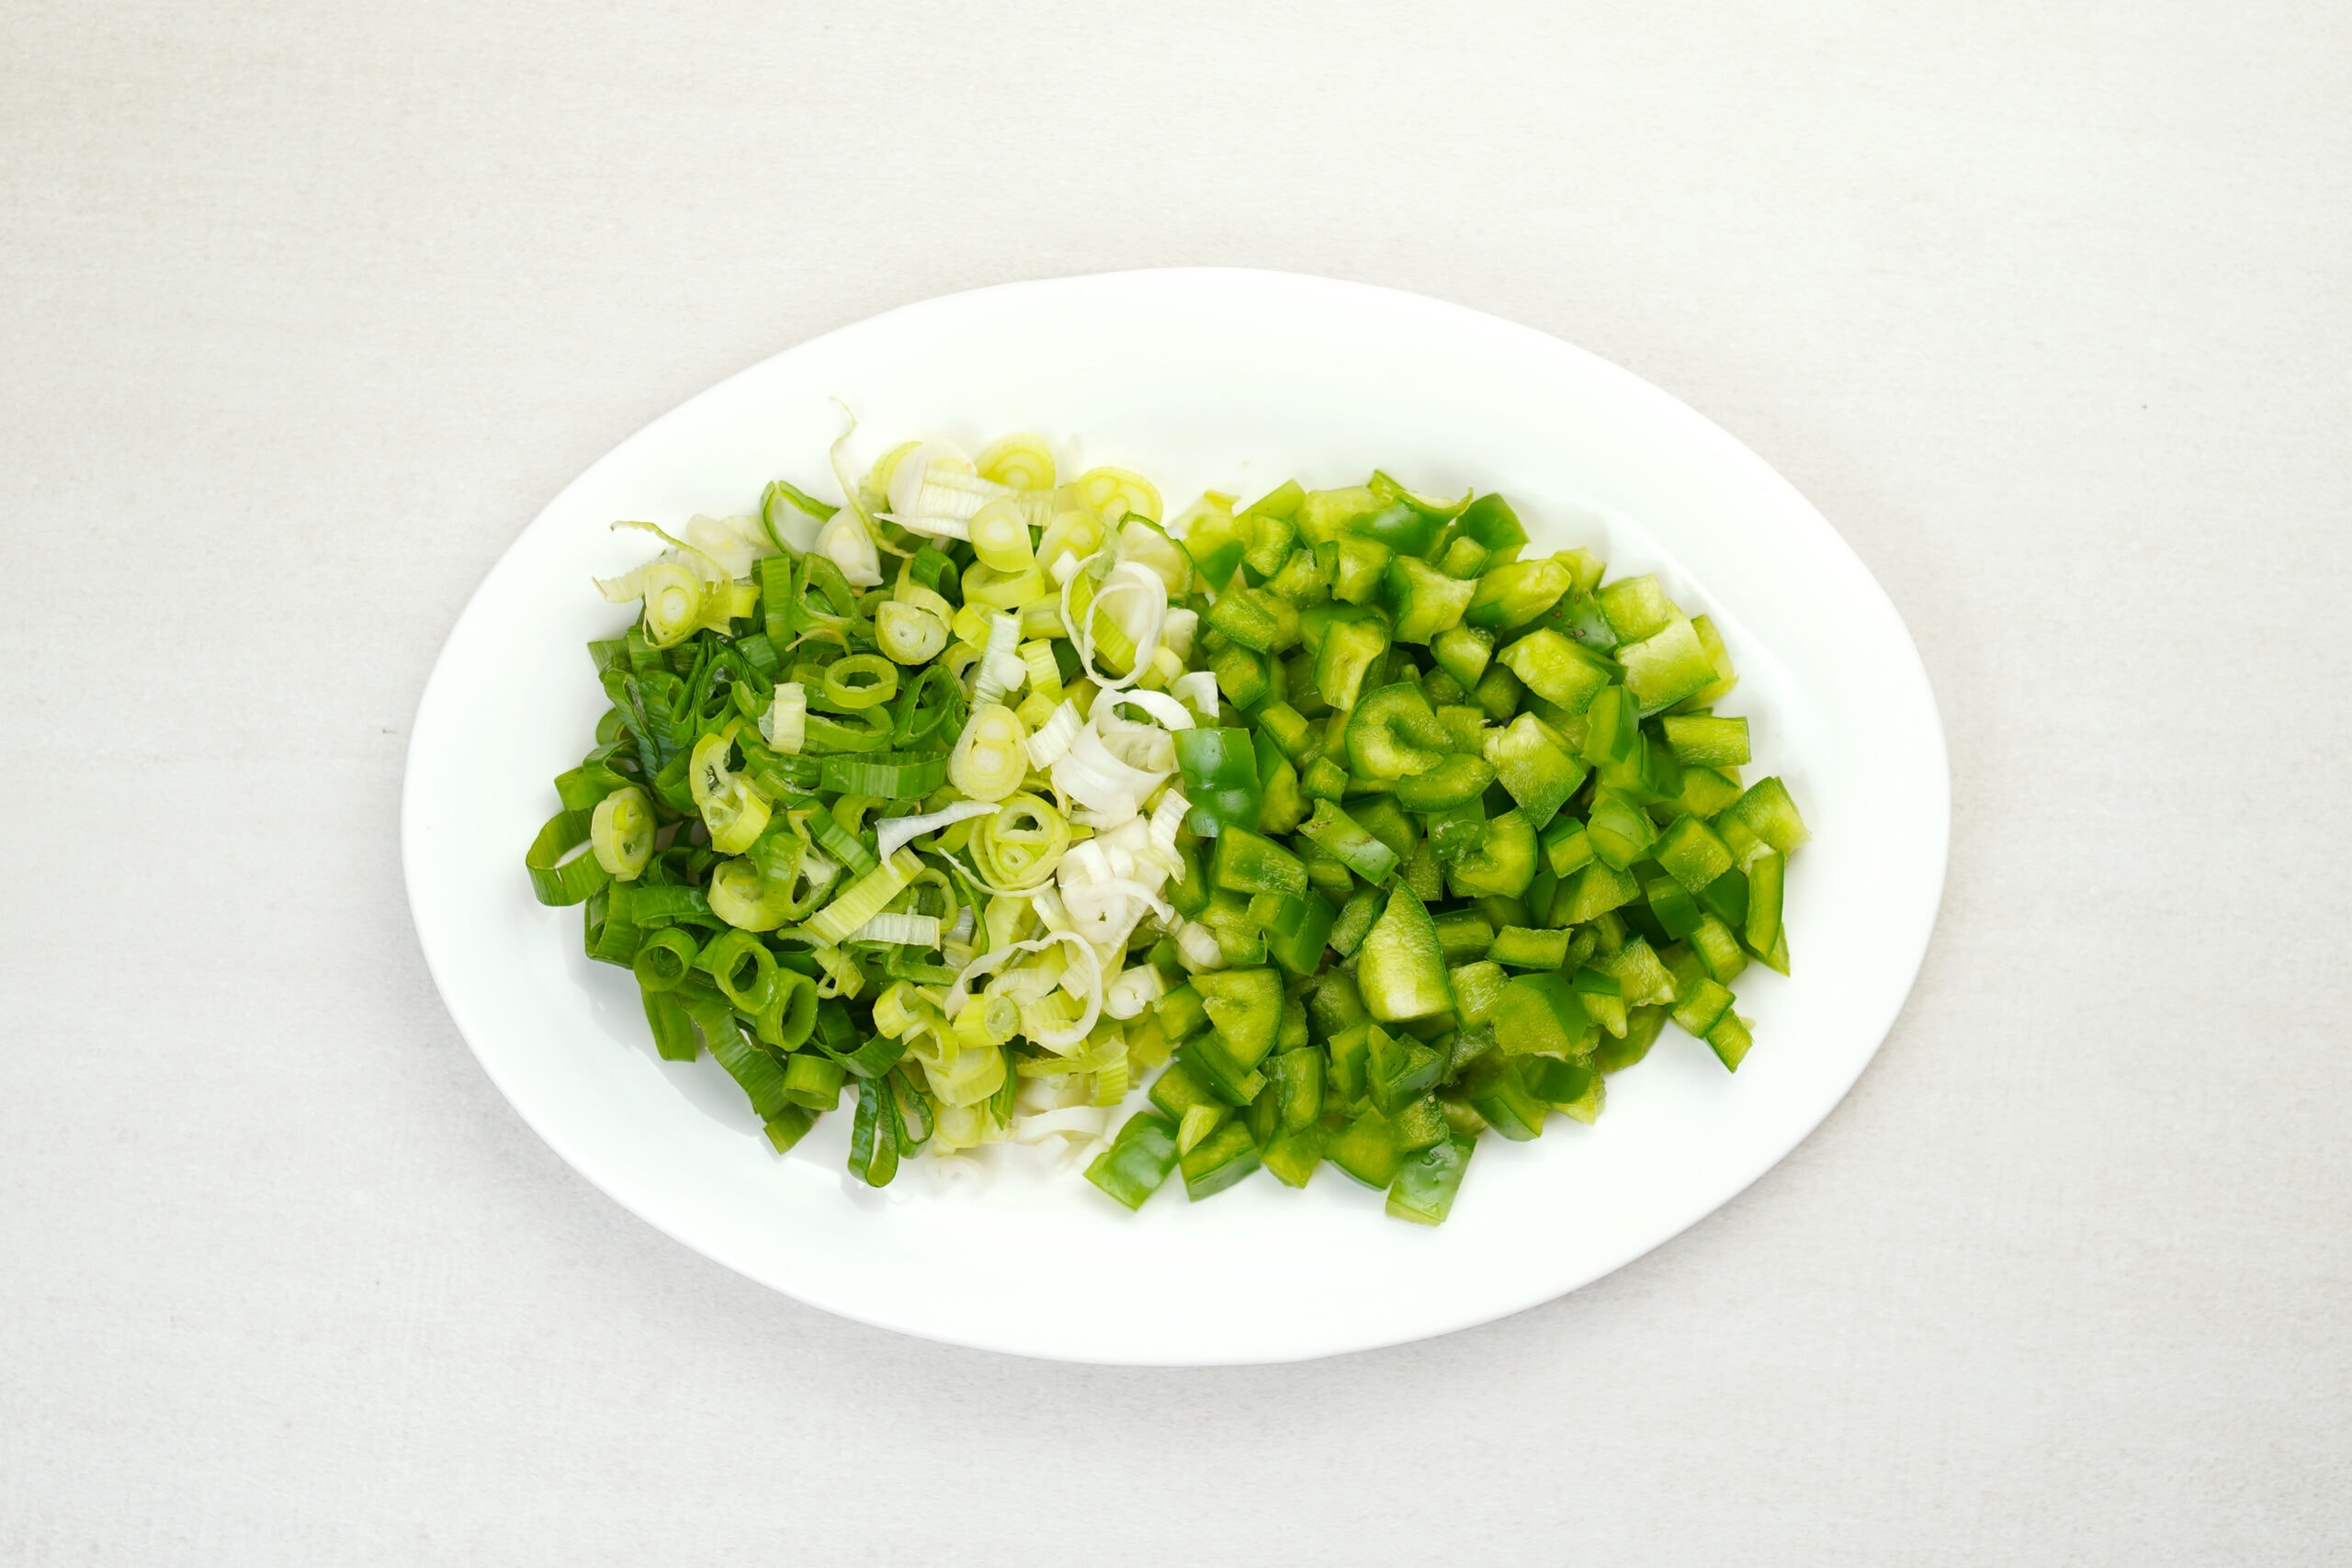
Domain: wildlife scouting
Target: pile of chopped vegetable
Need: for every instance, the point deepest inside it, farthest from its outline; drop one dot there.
(987, 798)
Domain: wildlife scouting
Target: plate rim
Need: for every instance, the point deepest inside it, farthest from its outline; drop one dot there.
(1622, 383)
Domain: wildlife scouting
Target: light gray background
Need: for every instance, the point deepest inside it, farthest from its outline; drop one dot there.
(305, 311)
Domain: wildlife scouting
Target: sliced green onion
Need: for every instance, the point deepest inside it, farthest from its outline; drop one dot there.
(1001, 537)
(1020, 846)
(991, 756)
(908, 633)
(1017, 462)
(860, 682)
(563, 869)
(865, 899)
(784, 725)
(620, 832)
(663, 959)
(885, 775)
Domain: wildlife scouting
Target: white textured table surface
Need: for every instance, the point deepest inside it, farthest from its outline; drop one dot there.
(304, 311)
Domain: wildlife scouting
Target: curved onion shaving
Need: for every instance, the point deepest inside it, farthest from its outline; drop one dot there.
(1167, 819)
(1134, 989)
(913, 930)
(1197, 691)
(993, 681)
(935, 491)
(1063, 1041)
(783, 723)
(1091, 775)
(847, 538)
(1107, 911)
(1053, 737)
(1196, 945)
(1068, 1121)
(1127, 582)
(727, 541)
(891, 832)
(991, 757)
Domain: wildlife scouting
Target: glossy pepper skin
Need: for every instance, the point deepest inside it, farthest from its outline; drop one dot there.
(1220, 773)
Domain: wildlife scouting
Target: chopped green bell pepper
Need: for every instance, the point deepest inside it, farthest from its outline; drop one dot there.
(1503, 862)
(1218, 1161)
(1497, 1090)
(1764, 815)
(1767, 881)
(1453, 782)
(1392, 732)
(1399, 1069)
(1294, 1154)
(1564, 673)
(1691, 852)
(1351, 646)
(1513, 595)
(1401, 971)
(1463, 653)
(1478, 988)
(1356, 918)
(1245, 1008)
(1521, 947)
(1706, 742)
(1490, 521)
(1138, 1159)
(1665, 667)
(1246, 862)
(1347, 840)
(1220, 769)
(1534, 764)
(1541, 1015)
(1422, 601)
(1367, 1150)
(1425, 1185)
(1620, 831)
(1637, 607)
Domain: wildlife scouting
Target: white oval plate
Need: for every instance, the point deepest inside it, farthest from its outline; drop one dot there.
(1233, 380)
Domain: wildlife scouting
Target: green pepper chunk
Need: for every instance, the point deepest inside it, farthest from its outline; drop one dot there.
(1347, 840)
(1245, 678)
(1355, 921)
(1689, 852)
(1766, 879)
(1422, 601)
(1453, 782)
(1532, 762)
(1299, 933)
(1357, 568)
(1592, 892)
(1514, 594)
(1707, 741)
(1643, 1026)
(1401, 971)
(1218, 1161)
(1541, 1015)
(1463, 653)
(1394, 732)
(1402, 526)
(1463, 934)
(1367, 1150)
(1668, 666)
(1209, 1063)
(1293, 1155)
(1637, 607)
(1139, 1160)
(1382, 818)
(1399, 1069)
(1219, 768)
(1350, 646)
(1497, 1090)
(1573, 1088)
(1503, 862)
(1490, 521)
(1621, 831)
(1564, 673)
(1522, 947)
(1246, 1007)
(1424, 1188)
(1764, 815)
(1245, 862)
(1255, 619)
